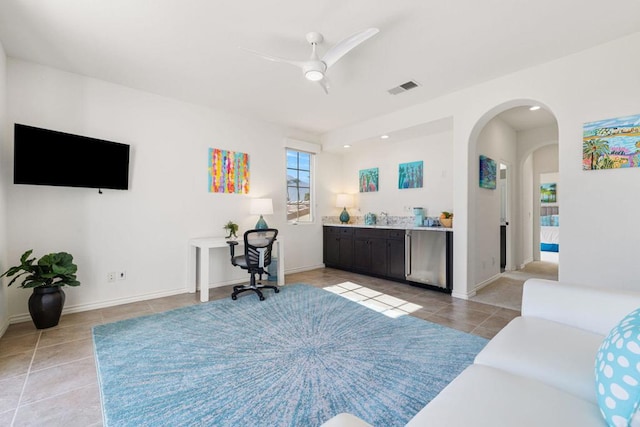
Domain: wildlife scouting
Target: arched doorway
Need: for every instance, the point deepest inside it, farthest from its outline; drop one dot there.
(502, 248)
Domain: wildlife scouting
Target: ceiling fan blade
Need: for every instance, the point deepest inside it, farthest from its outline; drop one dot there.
(324, 83)
(299, 64)
(341, 48)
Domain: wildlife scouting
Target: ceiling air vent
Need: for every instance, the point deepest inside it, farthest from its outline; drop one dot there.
(403, 87)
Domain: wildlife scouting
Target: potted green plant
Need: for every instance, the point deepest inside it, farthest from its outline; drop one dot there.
(46, 277)
(446, 219)
(232, 229)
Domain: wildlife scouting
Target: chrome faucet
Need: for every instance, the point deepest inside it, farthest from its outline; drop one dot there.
(383, 218)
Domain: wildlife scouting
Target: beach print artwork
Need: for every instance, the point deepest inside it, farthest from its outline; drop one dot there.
(368, 180)
(228, 171)
(487, 173)
(611, 143)
(410, 175)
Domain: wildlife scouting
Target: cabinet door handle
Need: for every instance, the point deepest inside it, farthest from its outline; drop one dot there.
(407, 255)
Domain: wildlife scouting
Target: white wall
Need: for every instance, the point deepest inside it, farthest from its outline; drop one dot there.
(575, 93)
(529, 232)
(144, 230)
(527, 194)
(435, 196)
(4, 309)
(497, 141)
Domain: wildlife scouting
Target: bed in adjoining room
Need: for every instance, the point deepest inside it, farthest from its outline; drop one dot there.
(549, 233)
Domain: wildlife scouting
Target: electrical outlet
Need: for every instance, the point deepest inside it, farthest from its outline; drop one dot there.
(111, 277)
(122, 275)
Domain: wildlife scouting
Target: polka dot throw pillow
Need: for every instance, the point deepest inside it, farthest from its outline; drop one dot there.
(618, 373)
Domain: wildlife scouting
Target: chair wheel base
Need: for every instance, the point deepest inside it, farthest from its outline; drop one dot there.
(257, 289)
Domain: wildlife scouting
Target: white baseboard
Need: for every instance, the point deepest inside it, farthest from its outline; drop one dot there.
(525, 262)
(3, 327)
(466, 295)
(485, 283)
(305, 268)
(226, 283)
(472, 293)
(23, 317)
(246, 279)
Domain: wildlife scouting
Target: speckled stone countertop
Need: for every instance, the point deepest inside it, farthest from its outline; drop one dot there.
(394, 223)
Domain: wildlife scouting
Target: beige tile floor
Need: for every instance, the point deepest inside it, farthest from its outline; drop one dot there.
(48, 377)
(506, 290)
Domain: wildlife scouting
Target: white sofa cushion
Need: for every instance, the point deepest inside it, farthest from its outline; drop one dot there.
(484, 396)
(556, 354)
(594, 309)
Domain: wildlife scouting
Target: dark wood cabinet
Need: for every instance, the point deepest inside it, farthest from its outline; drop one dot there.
(396, 258)
(369, 251)
(361, 254)
(379, 256)
(372, 251)
(382, 252)
(338, 247)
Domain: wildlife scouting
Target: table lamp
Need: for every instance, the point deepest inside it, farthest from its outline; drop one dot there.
(261, 207)
(344, 201)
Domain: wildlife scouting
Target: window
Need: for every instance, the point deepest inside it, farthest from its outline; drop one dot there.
(299, 194)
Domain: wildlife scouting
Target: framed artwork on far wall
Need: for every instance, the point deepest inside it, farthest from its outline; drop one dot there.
(548, 193)
(487, 173)
(410, 175)
(368, 180)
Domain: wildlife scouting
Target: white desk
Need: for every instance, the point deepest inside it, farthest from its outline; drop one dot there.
(204, 246)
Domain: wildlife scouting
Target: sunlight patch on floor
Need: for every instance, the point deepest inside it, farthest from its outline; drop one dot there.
(375, 300)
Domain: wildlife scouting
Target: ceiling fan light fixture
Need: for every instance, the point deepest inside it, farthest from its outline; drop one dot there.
(314, 75)
(315, 67)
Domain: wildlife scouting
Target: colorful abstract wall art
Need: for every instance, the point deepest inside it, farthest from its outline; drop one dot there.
(410, 175)
(548, 193)
(611, 143)
(228, 171)
(368, 180)
(487, 173)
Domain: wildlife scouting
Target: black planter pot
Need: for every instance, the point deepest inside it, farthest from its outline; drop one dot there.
(45, 306)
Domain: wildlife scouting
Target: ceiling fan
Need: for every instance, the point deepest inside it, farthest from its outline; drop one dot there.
(315, 68)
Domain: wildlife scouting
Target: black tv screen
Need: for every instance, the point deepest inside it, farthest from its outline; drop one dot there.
(48, 157)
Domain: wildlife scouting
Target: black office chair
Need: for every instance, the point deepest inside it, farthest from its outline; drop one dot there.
(258, 245)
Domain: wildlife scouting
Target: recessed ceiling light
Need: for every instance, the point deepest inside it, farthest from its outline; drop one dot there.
(384, 137)
(534, 108)
(346, 146)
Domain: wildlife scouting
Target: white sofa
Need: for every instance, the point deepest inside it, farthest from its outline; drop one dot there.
(538, 371)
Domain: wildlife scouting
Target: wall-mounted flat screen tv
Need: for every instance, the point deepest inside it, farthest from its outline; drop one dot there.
(48, 157)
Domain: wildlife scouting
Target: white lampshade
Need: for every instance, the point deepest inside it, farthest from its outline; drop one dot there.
(344, 201)
(261, 207)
